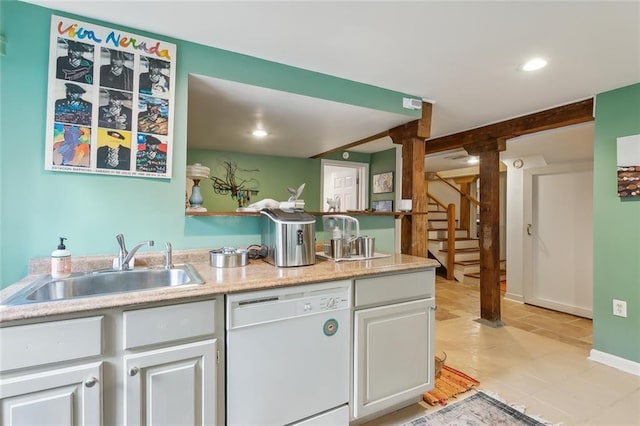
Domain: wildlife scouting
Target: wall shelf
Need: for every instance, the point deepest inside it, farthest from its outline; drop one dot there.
(348, 213)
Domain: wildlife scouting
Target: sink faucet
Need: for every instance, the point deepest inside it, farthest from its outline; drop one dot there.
(168, 256)
(124, 257)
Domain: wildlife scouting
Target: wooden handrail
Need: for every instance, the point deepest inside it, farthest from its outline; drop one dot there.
(438, 202)
(467, 196)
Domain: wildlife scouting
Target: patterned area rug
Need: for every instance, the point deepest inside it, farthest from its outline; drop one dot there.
(449, 383)
(478, 409)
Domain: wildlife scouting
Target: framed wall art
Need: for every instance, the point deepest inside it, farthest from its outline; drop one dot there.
(110, 101)
(628, 162)
(383, 182)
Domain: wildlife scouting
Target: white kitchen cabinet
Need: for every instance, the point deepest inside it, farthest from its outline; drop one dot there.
(393, 362)
(64, 396)
(47, 373)
(167, 381)
(76, 371)
(172, 386)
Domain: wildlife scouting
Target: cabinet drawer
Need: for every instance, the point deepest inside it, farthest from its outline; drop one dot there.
(169, 323)
(45, 343)
(390, 288)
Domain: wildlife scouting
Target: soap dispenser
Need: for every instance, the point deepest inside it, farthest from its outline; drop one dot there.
(61, 261)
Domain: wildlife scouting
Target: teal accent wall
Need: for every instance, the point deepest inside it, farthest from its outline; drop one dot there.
(616, 252)
(38, 206)
(384, 161)
(273, 177)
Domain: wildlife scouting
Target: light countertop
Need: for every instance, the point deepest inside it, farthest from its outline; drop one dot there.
(257, 275)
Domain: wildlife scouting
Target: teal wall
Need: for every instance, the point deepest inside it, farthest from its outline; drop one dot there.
(37, 206)
(274, 175)
(616, 252)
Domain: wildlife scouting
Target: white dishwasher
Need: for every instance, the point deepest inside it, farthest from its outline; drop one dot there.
(288, 355)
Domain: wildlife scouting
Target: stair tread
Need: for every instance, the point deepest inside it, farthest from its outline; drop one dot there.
(463, 250)
(467, 262)
(477, 274)
(457, 239)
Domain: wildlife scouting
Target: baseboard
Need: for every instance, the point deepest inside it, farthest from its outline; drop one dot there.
(615, 361)
(513, 296)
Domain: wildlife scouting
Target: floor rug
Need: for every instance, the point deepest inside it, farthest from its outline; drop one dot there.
(449, 383)
(478, 409)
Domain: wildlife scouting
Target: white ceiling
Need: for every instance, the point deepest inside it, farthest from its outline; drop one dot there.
(461, 55)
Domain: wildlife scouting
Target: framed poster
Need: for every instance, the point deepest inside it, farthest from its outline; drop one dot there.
(628, 162)
(382, 205)
(383, 182)
(110, 101)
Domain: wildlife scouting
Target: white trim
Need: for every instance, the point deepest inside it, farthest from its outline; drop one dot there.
(622, 364)
(514, 297)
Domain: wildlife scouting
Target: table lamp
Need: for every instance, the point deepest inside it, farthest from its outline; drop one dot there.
(196, 172)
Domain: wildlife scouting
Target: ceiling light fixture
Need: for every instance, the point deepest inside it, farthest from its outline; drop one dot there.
(259, 133)
(473, 160)
(534, 64)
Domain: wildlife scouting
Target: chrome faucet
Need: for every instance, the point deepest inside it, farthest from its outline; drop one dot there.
(124, 256)
(168, 256)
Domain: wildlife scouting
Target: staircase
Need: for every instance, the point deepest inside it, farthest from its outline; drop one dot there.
(467, 249)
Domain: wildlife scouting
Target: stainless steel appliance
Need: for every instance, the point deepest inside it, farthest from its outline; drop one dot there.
(289, 236)
(288, 356)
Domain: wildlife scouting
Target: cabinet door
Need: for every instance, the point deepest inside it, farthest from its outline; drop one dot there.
(65, 396)
(172, 386)
(393, 355)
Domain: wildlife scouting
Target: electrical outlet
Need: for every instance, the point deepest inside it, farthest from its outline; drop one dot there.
(620, 308)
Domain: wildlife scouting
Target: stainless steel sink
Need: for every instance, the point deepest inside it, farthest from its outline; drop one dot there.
(102, 282)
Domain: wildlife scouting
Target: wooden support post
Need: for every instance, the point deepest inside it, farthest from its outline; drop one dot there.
(451, 240)
(489, 153)
(414, 228)
(465, 204)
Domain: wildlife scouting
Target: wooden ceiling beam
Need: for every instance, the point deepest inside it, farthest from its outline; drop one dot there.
(352, 144)
(565, 115)
(420, 128)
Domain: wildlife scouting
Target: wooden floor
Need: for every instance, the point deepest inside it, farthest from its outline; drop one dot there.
(456, 299)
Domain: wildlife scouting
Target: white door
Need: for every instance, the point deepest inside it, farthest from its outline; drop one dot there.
(342, 184)
(345, 181)
(559, 236)
(172, 386)
(391, 354)
(65, 396)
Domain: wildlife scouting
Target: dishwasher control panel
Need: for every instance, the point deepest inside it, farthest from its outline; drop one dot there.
(249, 309)
(326, 302)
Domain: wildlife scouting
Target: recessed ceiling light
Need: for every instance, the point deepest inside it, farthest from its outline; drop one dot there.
(259, 133)
(473, 160)
(534, 64)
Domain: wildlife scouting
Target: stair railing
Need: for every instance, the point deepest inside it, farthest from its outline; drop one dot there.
(451, 233)
(455, 188)
(451, 223)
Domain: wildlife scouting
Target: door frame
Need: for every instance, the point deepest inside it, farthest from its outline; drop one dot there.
(362, 171)
(527, 277)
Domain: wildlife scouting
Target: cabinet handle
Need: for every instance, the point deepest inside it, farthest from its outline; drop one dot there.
(90, 382)
(133, 371)
(529, 226)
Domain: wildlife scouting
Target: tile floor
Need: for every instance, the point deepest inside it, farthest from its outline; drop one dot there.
(538, 359)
